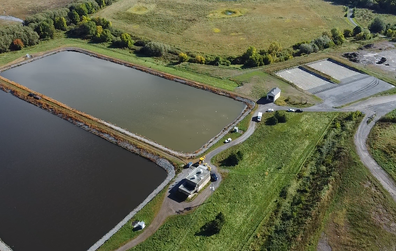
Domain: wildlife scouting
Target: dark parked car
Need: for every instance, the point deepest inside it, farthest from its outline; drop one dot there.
(299, 110)
(213, 177)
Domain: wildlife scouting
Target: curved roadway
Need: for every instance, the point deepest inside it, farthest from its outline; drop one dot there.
(377, 107)
(350, 18)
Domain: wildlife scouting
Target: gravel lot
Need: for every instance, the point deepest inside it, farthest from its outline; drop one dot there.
(353, 91)
(301, 78)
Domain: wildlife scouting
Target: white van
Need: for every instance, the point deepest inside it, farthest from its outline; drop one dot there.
(259, 116)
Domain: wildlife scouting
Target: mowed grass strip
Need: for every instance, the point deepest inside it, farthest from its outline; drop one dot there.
(189, 24)
(382, 142)
(272, 157)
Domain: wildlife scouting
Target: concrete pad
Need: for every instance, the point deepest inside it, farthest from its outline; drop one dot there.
(302, 79)
(334, 70)
(353, 91)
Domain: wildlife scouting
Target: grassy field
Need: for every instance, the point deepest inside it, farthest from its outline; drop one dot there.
(272, 157)
(334, 201)
(225, 28)
(382, 142)
(363, 215)
(23, 8)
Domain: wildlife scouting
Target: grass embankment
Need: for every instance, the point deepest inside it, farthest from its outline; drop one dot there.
(126, 233)
(216, 28)
(363, 215)
(382, 142)
(334, 192)
(272, 157)
(242, 127)
(302, 203)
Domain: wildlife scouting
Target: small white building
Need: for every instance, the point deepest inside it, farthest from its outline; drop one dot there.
(195, 181)
(274, 94)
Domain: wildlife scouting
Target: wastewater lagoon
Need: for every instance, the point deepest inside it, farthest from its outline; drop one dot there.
(172, 114)
(62, 188)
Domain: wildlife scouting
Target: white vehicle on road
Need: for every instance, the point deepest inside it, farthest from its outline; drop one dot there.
(291, 110)
(259, 116)
(270, 110)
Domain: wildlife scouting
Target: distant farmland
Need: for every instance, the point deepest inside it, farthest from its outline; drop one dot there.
(225, 27)
(23, 8)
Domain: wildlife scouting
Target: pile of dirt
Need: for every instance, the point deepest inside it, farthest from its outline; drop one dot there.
(352, 56)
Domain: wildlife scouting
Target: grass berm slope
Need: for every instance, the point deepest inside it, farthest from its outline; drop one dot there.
(362, 215)
(273, 156)
(382, 143)
(225, 27)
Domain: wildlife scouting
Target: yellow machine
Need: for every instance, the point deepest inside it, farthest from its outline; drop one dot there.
(202, 159)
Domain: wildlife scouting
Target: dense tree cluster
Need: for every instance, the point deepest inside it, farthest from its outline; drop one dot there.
(8, 34)
(279, 117)
(377, 25)
(74, 19)
(155, 49)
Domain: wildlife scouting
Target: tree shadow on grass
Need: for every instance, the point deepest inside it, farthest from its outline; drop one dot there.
(204, 231)
(212, 227)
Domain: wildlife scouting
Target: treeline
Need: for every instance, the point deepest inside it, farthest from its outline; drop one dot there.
(388, 6)
(15, 37)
